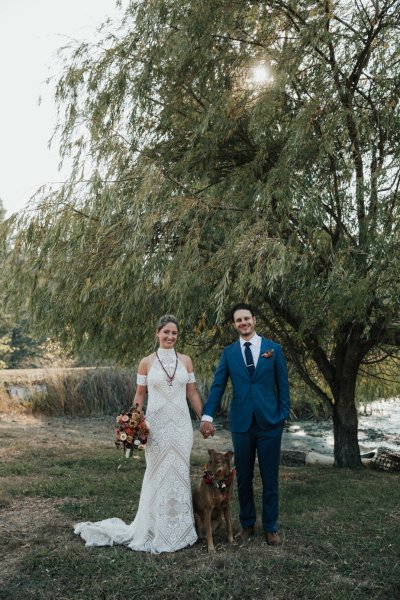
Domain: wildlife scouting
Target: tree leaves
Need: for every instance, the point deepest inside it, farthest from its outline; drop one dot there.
(192, 188)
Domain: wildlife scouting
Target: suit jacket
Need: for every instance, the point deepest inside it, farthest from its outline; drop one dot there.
(265, 394)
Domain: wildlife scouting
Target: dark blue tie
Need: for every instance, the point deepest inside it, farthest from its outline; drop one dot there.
(249, 358)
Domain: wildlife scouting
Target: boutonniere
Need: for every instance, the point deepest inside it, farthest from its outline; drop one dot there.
(267, 354)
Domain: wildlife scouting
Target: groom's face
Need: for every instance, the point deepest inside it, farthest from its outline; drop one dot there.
(244, 323)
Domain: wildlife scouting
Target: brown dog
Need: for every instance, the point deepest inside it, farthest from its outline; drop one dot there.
(212, 495)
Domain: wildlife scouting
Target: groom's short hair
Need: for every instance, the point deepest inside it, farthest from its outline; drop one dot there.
(242, 306)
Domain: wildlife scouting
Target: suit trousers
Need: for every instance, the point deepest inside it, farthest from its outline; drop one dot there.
(267, 444)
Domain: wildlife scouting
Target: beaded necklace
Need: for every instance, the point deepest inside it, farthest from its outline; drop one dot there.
(170, 377)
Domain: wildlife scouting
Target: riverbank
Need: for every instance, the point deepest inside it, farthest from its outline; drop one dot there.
(379, 424)
(86, 391)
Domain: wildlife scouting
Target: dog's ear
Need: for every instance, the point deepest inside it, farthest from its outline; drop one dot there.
(229, 455)
(211, 452)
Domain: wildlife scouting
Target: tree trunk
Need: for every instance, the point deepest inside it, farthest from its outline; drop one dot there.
(345, 424)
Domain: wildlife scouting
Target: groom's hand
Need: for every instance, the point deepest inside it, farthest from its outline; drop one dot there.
(207, 429)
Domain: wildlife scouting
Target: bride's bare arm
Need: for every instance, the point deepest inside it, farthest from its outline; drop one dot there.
(191, 391)
(141, 390)
(194, 399)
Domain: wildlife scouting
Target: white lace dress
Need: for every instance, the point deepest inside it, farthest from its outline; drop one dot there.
(164, 521)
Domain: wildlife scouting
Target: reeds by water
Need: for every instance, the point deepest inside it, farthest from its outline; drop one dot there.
(72, 392)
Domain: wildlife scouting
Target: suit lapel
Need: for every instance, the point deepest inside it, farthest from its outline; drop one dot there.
(263, 348)
(237, 349)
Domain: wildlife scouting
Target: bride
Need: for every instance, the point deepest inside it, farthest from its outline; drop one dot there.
(164, 521)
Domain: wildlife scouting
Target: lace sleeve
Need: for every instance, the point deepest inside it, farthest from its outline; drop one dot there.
(141, 379)
(192, 378)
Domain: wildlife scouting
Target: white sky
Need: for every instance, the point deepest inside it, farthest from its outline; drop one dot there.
(31, 31)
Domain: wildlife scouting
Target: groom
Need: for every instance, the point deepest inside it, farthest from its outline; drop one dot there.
(259, 408)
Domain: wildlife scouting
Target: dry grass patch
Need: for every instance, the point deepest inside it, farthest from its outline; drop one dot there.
(27, 523)
(69, 391)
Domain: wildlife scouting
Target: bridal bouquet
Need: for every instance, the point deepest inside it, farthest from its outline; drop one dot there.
(132, 432)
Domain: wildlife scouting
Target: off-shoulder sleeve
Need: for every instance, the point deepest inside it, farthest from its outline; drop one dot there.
(192, 378)
(141, 379)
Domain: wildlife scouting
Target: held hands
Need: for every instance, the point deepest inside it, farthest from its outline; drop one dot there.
(207, 429)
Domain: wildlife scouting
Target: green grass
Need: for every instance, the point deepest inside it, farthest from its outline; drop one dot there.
(340, 530)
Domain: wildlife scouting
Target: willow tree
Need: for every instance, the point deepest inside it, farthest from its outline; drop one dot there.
(195, 185)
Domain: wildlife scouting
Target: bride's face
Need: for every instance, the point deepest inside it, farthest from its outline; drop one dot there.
(167, 335)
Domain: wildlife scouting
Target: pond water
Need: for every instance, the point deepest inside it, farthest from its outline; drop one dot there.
(378, 425)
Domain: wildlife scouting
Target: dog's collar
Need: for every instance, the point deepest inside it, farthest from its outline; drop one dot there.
(219, 484)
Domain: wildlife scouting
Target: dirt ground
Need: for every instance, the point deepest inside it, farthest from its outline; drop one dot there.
(79, 431)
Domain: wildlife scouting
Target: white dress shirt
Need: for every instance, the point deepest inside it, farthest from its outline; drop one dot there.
(255, 348)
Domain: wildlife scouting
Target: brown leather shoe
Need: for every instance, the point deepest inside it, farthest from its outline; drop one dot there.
(273, 538)
(245, 534)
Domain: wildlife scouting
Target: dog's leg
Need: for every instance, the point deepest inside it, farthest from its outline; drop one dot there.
(207, 521)
(200, 529)
(216, 519)
(228, 521)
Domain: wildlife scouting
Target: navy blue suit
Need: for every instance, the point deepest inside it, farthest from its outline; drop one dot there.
(260, 405)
